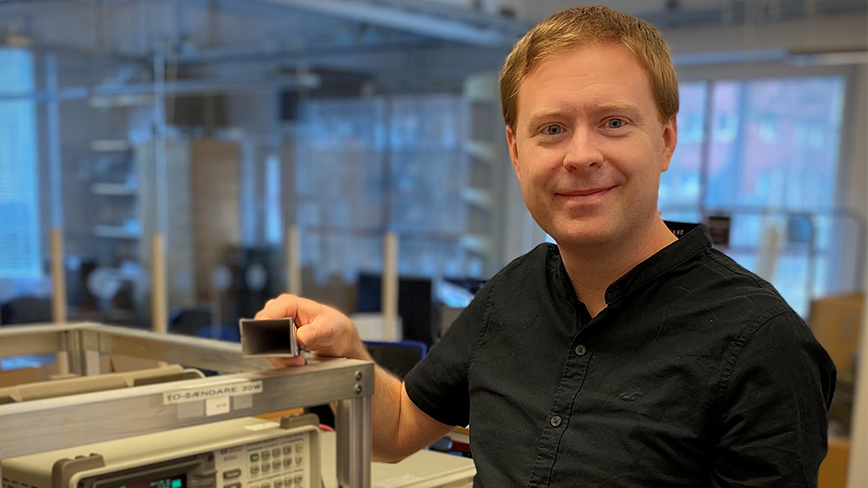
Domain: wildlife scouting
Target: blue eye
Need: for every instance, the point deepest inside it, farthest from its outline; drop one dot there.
(553, 130)
(615, 123)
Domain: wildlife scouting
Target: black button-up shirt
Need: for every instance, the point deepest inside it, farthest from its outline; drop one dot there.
(697, 374)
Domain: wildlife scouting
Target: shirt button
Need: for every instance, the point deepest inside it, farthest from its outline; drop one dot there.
(581, 350)
(555, 421)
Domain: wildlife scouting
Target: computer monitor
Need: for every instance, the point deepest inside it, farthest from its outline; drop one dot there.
(397, 357)
(415, 305)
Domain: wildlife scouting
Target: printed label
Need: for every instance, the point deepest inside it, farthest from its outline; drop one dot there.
(223, 391)
(216, 406)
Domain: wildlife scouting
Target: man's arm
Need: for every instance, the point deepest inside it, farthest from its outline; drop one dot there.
(399, 427)
(775, 392)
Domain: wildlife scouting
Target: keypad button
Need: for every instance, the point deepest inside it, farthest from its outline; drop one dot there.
(299, 447)
(265, 485)
(266, 455)
(275, 452)
(298, 459)
(254, 458)
(278, 483)
(299, 479)
(232, 474)
(254, 470)
(232, 485)
(276, 465)
(287, 450)
(287, 481)
(266, 468)
(287, 462)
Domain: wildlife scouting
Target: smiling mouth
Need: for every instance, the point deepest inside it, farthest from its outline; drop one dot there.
(585, 193)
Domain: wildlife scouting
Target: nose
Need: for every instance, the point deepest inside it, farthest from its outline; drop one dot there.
(582, 150)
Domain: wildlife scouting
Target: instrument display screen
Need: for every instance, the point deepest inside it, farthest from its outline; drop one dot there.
(179, 481)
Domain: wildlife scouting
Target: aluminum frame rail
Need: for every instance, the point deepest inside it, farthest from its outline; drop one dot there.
(45, 425)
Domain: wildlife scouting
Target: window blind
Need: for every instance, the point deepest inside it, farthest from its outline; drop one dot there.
(19, 206)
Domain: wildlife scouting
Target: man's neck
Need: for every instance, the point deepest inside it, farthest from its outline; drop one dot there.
(591, 271)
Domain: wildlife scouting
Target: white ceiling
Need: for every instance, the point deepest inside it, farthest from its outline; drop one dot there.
(667, 12)
(536, 10)
(140, 26)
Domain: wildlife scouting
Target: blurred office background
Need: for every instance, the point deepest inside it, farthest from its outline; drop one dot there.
(222, 124)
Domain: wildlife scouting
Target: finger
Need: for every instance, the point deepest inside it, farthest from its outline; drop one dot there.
(280, 307)
(287, 362)
(286, 305)
(267, 310)
(303, 310)
(321, 357)
(323, 333)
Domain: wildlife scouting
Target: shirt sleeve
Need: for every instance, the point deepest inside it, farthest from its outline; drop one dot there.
(439, 384)
(776, 393)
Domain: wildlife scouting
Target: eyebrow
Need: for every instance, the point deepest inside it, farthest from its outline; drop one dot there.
(617, 106)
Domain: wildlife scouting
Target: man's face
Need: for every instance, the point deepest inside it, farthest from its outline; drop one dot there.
(588, 146)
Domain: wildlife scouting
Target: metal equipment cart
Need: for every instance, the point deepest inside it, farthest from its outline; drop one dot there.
(44, 425)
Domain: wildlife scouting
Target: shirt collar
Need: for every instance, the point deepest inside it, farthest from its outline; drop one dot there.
(693, 240)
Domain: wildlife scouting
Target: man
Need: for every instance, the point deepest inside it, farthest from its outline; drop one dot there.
(624, 356)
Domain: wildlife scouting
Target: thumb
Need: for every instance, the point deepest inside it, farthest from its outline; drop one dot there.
(306, 336)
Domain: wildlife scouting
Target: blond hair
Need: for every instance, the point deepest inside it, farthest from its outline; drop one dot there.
(579, 27)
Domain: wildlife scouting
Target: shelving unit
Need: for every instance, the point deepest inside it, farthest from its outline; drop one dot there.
(487, 157)
(202, 194)
(116, 183)
(115, 232)
(109, 145)
(113, 189)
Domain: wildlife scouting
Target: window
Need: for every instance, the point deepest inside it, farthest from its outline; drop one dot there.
(771, 165)
(367, 165)
(19, 210)
(680, 186)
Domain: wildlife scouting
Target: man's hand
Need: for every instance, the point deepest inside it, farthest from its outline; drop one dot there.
(322, 330)
(399, 427)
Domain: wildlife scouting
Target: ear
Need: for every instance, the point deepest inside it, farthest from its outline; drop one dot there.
(670, 140)
(513, 150)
